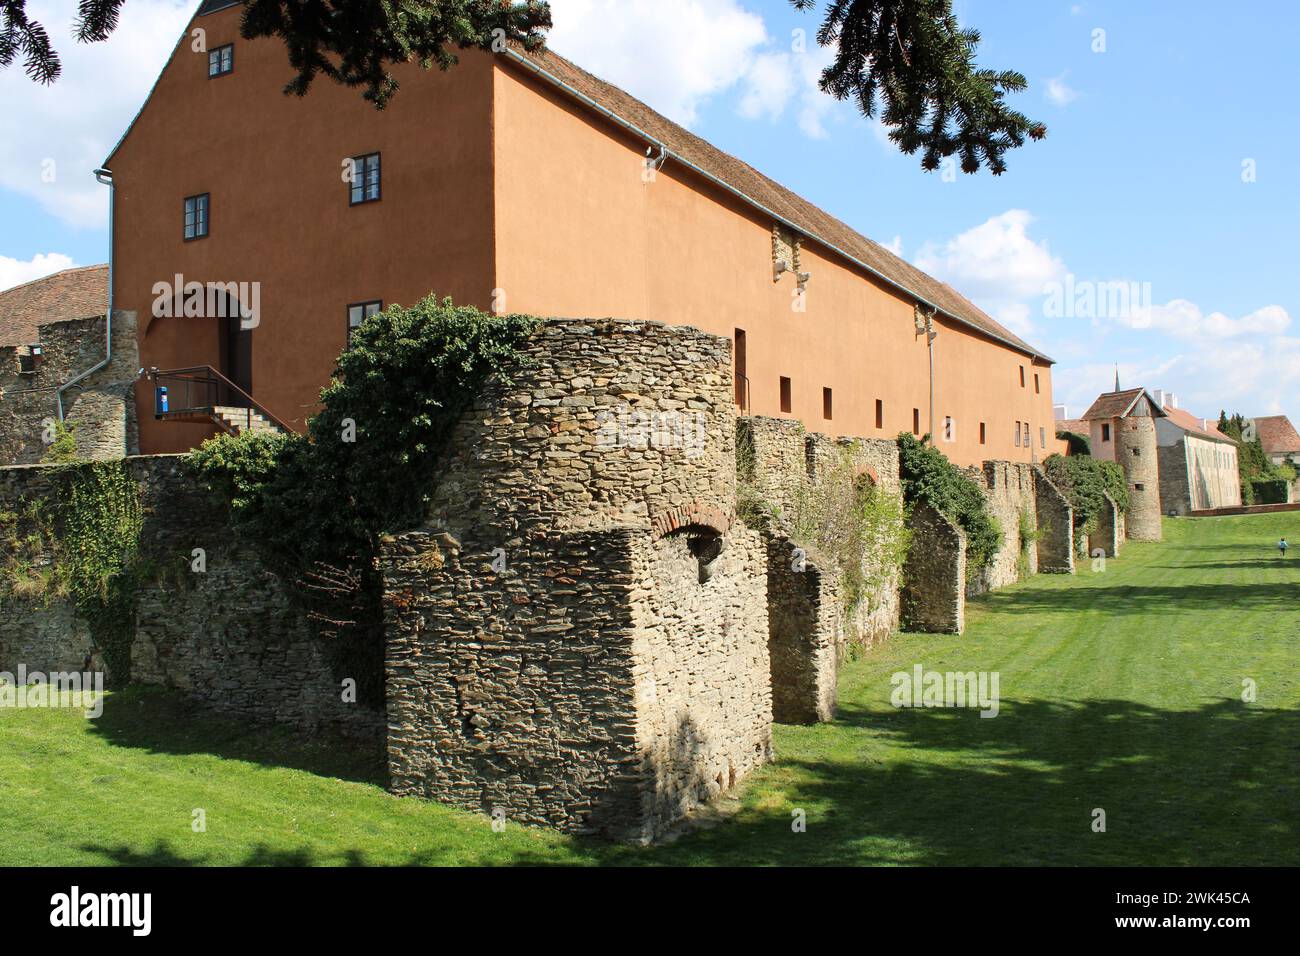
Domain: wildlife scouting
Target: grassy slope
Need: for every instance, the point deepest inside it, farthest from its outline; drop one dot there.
(1120, 690)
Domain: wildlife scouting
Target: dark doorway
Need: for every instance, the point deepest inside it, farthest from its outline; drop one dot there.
(236, 349)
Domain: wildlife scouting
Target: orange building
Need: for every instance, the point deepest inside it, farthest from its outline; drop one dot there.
(520, 183)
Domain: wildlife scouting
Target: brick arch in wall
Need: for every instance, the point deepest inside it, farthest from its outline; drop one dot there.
(695, 514)
(865, 476)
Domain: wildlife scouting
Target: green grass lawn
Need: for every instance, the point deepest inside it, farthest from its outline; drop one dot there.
(1120, 690)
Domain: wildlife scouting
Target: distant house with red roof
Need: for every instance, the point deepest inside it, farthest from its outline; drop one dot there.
(1198, 463)
(1278, 437)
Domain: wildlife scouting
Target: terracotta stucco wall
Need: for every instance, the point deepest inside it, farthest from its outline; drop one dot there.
(280, 213)
(579, 233)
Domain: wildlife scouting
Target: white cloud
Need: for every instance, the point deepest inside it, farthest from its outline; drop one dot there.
(1185, 320)
(895, 246)
(76, 121)
(676, 55)
(15, 271)
(996, 260)
(673, 54)
(1059, 93)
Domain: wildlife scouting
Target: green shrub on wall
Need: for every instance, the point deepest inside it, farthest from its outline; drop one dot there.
(929, 476)
(1269, 491)
(85, 545)
(857, 524)
(1084, 481)
(316, 506)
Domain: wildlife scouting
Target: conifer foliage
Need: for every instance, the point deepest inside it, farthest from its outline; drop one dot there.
(911, 62)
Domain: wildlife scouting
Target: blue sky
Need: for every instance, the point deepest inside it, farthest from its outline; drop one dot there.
(1143, 177)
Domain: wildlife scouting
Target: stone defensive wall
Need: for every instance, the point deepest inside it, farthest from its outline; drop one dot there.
(578, 636)
(606, 606)
(227, 635)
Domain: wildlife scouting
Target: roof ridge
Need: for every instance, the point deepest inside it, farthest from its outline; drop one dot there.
(787, 204)
(52, 275)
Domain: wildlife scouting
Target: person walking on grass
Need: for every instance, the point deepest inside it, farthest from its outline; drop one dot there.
(1282, 546)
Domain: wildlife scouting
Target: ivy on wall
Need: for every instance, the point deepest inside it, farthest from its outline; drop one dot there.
(1084, 481)
(84, 545)
(927, 475)
(315, 506)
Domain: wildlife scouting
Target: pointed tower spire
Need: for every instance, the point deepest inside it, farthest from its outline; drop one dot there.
(1117, 376)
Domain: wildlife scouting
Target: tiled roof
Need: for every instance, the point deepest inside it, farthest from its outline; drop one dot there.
(1277, 435)
(70, 294)
(1190, 423)
(1077, 425)
(1113, 404)
(803, 215)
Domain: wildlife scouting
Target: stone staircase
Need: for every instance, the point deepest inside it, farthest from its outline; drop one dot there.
(238, 420)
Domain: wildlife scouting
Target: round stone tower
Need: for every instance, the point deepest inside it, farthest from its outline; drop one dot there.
(1135, 451)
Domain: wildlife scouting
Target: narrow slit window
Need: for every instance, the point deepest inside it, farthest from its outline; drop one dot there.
(785, 394)
(1022, 376)
(826, 404)
(982, 433)
(1017, 434)
(880, 414)
(916, 421)
(740, 358)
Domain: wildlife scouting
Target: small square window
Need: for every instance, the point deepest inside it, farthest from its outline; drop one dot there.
(196, 216)
(826, 404)
(221, 60)
(364, 185)
(1137, 452)
(1139, 487)
(358, 312)
(785, 394)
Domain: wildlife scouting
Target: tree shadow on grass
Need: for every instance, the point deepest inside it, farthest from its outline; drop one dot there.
(1213, 785)
(165, 721)
(1154, 599)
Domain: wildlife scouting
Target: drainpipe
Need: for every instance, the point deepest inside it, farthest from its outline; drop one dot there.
(103, 177)
(925, 323)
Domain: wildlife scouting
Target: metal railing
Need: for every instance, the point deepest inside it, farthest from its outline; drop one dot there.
(200, 391)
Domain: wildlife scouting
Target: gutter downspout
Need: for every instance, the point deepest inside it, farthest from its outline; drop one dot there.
(105, 178)
(664, 152)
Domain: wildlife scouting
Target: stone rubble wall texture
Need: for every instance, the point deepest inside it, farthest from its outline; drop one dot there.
(1009, 490)
(227, 637)
(1136, 450)
(613, 673)
(100, 409)
(1055, 527)
(804, 632)
(934, 578)
(1109, 535)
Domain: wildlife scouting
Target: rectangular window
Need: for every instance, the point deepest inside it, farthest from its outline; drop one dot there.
(1028, 441)
(949, 430)
(1042, 437)
(916, 421)
(1022, 376)
(1138, 487)
(880, 414)
(364, 186)
(826, 404)
(221, 60)
(785, 394)
(981, 433)
(741, 360)
(196, 216)
(358, 312)
(1036, 392)
(1105, 433)
(1017, 434)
